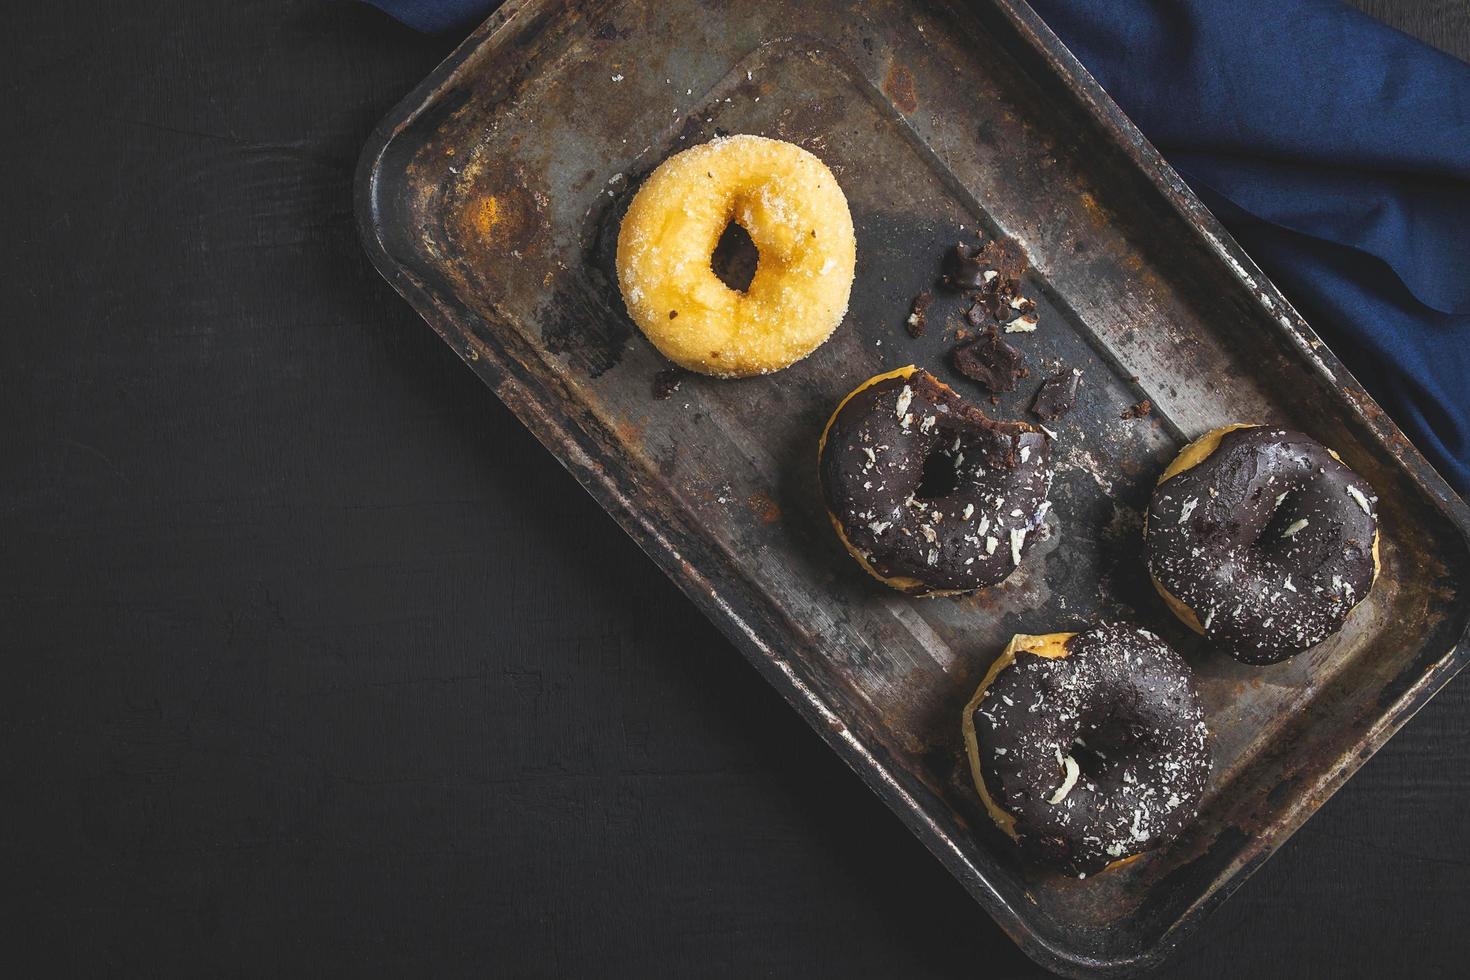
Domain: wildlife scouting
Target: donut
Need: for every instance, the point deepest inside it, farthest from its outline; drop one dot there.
(930, 495)
(1262, 540)
(795, 213)
(1090, 748)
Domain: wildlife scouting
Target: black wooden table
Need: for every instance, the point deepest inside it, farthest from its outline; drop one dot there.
(317, 664)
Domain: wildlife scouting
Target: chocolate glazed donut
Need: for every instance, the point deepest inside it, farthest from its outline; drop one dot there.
(1088, 748)
(930, 495)
(1262, 540)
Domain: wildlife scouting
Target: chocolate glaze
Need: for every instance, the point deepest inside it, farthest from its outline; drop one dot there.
(1123, 706)
(991, 361)
(1269, 541)
(926, 486)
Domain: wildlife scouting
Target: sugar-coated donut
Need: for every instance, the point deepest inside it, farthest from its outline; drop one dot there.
(1090, 748)
(930, 495)
(1262, 540)
(791, 206)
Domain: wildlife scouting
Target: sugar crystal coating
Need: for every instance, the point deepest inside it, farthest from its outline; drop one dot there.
(797, 217)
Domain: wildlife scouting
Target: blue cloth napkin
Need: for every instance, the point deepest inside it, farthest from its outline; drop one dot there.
(1337, 152)
(434, 16)
(1334, 148)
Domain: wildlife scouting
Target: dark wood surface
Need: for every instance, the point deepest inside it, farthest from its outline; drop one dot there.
(319, 664)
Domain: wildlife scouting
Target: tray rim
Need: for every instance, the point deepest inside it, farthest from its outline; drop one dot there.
(734, 611)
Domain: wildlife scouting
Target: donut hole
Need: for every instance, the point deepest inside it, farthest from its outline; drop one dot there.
(735, 258)
(940, 478)
(1284, 511)
(1090, 755)
(1107, 738)
(1291, 528)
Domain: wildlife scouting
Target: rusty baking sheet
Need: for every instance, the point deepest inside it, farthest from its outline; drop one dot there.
(491, 198)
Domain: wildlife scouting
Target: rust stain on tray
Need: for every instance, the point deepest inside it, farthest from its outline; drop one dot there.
(898, 85)
(766, 510)
(500, 210)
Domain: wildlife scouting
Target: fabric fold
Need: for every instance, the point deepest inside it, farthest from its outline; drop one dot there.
(1337, 151)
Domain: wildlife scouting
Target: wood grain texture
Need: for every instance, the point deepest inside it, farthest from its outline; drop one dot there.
(318, 663)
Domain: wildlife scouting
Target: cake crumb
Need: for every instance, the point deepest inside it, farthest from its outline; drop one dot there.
(666, 382)
(917, 314)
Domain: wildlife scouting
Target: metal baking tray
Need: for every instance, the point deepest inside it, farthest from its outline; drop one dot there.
(490, 198)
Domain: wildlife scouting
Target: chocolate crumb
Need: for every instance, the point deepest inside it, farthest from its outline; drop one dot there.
(994, 270)
(1139, 411)
(1005, 257)
(666, 382)
(991, 361)
(1057, 395)
(997, 302)
(963, 270)
(916, 321)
